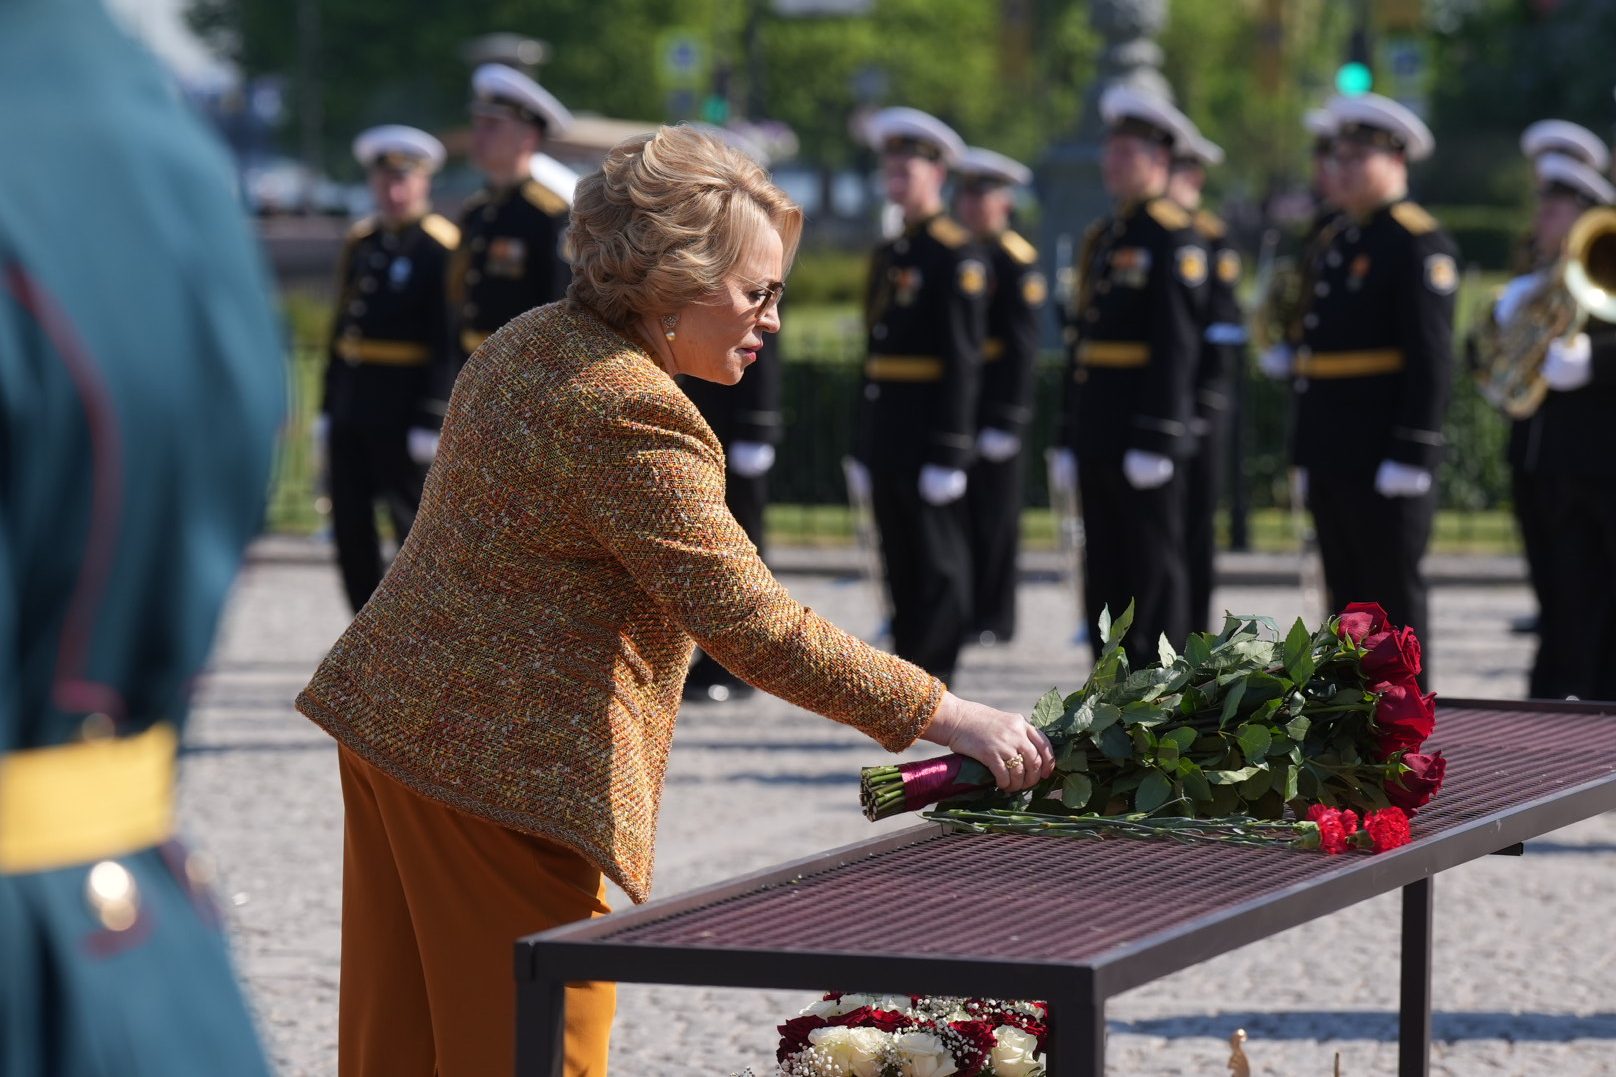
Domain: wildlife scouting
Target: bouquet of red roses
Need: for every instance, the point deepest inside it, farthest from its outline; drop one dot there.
(1208, 743)
(851, 1035)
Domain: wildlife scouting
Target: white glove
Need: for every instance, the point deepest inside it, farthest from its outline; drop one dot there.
(1394, 479)
(1277, 361)
(422, 445)
(996, 445)
(858, 479)
(1063, 469)
(1569, 363)
(1146, 470)
(749, 459)
(940, 485)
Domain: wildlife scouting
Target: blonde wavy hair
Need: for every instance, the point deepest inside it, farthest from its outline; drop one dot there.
(665, 220)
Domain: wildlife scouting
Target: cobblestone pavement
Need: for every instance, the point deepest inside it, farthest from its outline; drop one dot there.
(1525, 980)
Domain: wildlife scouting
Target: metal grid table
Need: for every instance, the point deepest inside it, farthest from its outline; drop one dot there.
(928, 911)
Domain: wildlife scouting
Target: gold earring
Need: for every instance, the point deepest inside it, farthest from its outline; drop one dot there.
(668, 322)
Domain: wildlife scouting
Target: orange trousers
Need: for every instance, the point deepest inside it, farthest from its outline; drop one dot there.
(433, 901)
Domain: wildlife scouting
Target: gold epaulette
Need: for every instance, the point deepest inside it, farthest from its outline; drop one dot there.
(1414, 218)
(1210, 225)
(441, 229)
(546, 199)
(948, 232)
(1018, 248)
(1168, 214)
(362, 228)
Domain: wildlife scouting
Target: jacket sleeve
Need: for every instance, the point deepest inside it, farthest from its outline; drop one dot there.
(1602, 341)
(1177, 296)
(442, 356)
(1425, 299)
(1224, 339)
(649, 487)
(1018, 301)
(952, 440)
(344, 266)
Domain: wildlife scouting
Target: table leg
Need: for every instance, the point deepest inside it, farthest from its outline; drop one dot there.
(1414, 1016)
(1076, 1037)
(541, 1033)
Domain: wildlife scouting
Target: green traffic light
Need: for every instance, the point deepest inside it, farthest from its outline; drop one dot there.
(1354, 78)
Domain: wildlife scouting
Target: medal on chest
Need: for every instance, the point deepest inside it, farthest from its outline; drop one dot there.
(507, 257)
(905, 285)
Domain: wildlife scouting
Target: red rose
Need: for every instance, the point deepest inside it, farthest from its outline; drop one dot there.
(1361, 619)
(1392, 655)
(1388, 828)
(979, 1042)
(1423, 780)
(794, 1035)
(1403, 716)
(870, 1017)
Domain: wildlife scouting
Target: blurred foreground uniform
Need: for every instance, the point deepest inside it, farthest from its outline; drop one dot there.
(1017, 291)
(746, 418)
(141, 383)
(1137, 344)
(511, 256)
(1371, 391)
(388, 374)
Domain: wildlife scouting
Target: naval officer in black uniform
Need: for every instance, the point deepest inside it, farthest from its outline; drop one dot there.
(984, 202)
(1569, 457)
(1223, 344)
(1136, 333)
(926, 311)
(512, 256)
(1373, 366)
(388, 368)
(1564, 139)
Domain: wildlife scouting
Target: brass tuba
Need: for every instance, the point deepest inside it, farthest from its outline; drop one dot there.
(1509, 358)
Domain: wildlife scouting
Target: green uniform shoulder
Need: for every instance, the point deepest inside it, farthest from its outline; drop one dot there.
(1210, 225)
(544, 198)
(1414, 218)
(949, 232)
(441, 229)
(1169, 214)
(1018, 248)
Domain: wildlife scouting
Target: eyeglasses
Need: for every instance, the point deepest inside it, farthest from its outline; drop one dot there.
(764, 297)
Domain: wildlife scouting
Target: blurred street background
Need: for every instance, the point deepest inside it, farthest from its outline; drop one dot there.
(289, 82)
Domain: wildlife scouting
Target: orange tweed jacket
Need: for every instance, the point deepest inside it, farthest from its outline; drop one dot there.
(523, 659)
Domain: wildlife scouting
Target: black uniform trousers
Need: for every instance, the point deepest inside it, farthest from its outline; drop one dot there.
(926, 551)
(993, 508)
(1371, 548)
(1534, 507)
(1203, 489)
(369, 464)
(1578, 626)
(1134, 552)
(746, 498)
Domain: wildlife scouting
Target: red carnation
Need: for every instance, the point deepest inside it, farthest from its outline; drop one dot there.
(1332, 835)
(1388, 828)
(1349, 822)
(1392, 655)
(1361, 619)
(1423, 780)
(1403, 716)
(794, 1035)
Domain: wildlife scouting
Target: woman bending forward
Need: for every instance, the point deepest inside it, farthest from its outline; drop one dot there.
(505, 702)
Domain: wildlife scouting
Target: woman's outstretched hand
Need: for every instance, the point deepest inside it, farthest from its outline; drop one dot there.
(1018, 755)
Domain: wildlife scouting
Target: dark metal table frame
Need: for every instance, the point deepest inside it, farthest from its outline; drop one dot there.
(1075, 992)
